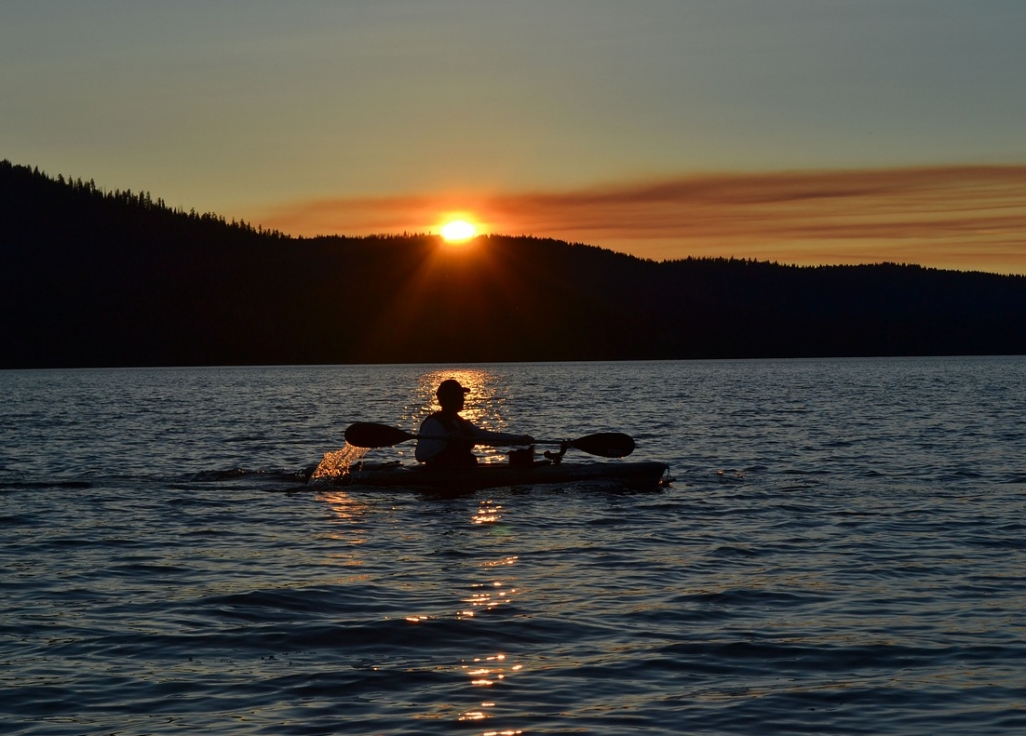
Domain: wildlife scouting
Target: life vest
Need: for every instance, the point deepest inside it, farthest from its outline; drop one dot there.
(457, 453)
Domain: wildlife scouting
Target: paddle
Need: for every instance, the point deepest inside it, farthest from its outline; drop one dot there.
(603, 444)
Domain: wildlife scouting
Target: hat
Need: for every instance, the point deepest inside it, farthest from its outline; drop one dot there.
(451, 389)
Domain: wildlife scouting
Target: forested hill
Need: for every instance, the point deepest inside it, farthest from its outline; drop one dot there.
(94, 278)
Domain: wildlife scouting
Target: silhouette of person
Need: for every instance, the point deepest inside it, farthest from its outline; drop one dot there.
(447, 439)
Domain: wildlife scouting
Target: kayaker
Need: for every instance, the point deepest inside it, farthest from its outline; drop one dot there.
(457, 436)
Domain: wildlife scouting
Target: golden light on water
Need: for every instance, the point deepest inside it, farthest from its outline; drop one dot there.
(488, 599)
(481, 384)
(491, 671)
(486, 592)
(484, 404)
(511, 560)
(487, 513)
(344, 506)
(487, 671)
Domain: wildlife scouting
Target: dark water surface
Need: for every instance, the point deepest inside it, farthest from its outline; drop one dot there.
(843, 552)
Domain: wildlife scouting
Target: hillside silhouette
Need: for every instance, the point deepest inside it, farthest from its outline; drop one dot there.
(96, 278)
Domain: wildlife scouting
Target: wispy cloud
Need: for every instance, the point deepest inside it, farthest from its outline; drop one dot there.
(966, 217)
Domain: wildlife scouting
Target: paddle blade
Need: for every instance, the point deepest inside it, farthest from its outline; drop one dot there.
(368, 434)
(605, 444)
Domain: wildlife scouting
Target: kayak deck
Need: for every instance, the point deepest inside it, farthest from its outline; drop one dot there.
(634, 475)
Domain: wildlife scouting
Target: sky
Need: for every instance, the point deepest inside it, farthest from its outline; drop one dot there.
(797, 131)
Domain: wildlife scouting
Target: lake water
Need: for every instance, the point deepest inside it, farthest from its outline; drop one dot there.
(843, 552)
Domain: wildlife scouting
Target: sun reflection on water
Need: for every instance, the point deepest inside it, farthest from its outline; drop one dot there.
(487, 671)
(344, 506)
(488, 599)
(484, 404)
(487, 513)
(472, 715)
(492, 670)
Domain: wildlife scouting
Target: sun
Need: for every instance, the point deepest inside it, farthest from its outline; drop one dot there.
(456, 231)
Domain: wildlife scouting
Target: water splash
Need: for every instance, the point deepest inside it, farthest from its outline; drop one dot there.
(337, 464)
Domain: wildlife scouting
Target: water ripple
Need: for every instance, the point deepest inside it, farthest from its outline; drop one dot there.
(842, 553)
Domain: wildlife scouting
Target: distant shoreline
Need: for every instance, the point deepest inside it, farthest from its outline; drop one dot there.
(93, 278)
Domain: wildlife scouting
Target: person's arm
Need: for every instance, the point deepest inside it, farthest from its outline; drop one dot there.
(433, 440)
(487, 437)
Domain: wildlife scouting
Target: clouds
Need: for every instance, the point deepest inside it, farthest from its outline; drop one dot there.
(513, 111)
(963, 217)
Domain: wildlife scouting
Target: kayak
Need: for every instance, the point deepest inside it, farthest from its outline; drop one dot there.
(633, 475)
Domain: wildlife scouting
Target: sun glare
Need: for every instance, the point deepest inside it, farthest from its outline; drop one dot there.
(457, 231)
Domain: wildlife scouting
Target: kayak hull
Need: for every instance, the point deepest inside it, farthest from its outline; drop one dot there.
(634, 475)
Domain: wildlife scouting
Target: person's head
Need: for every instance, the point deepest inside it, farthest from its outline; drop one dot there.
(450, 394)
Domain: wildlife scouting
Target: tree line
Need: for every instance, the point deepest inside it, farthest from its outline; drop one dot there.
(96, 278)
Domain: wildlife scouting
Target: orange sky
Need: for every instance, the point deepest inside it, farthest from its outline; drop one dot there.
(837, 132)
(960, 217)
